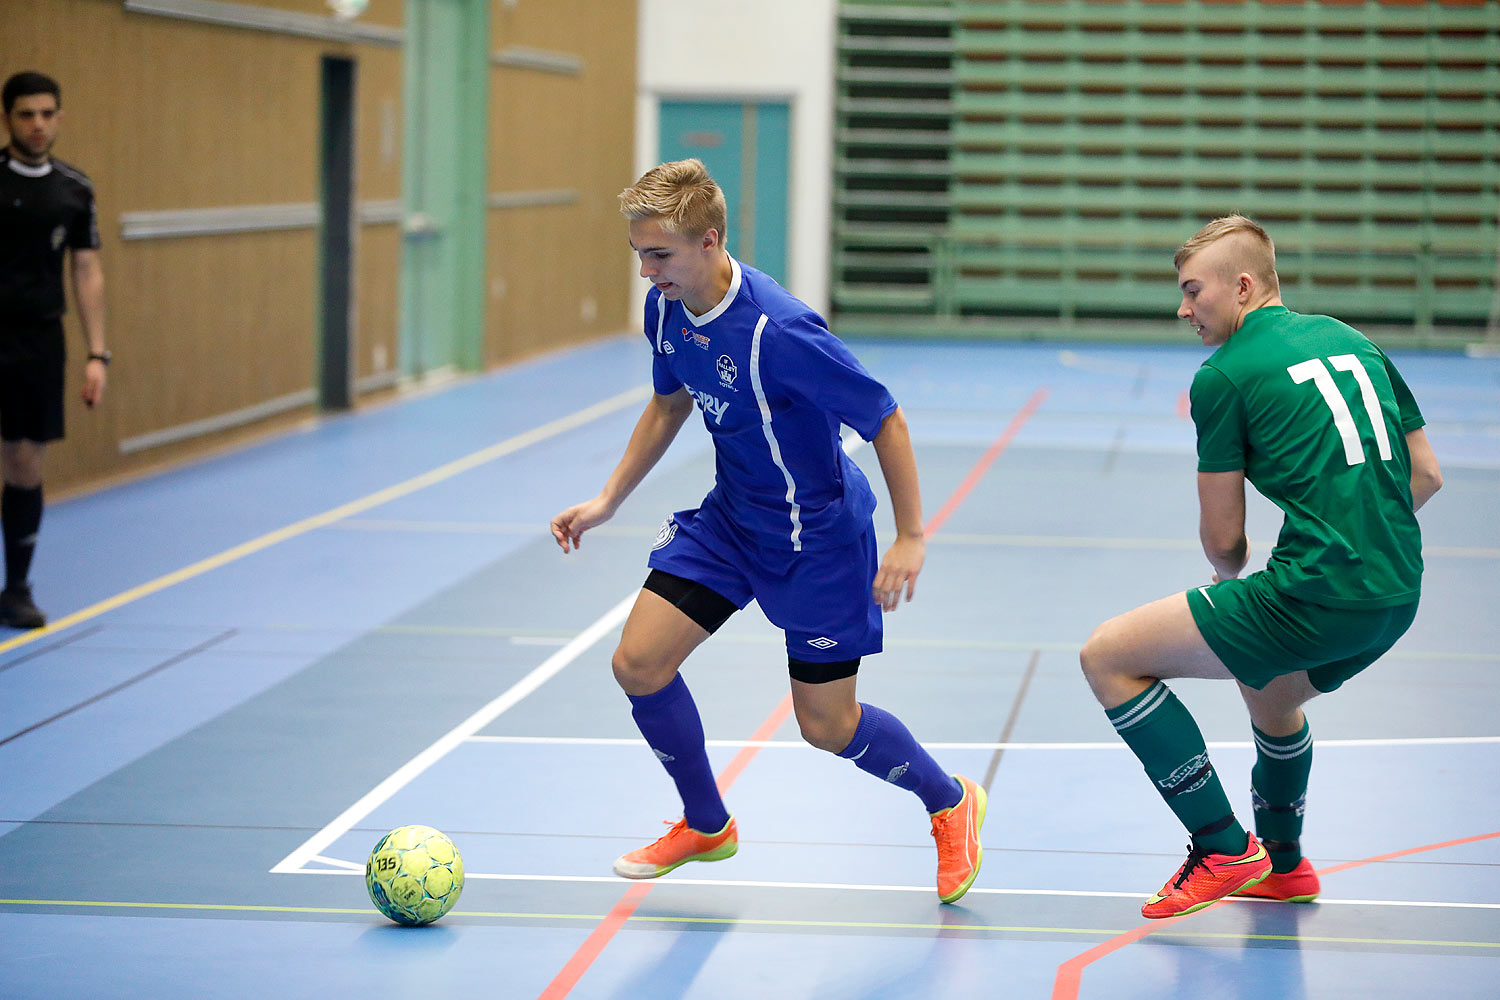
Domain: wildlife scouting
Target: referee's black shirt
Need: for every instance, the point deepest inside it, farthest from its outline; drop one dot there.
(44, 211)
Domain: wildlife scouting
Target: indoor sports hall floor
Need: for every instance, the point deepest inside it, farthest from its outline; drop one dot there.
(262, 662)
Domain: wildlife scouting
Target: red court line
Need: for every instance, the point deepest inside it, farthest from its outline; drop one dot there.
(982, 466)
(1070, 973)
(616, 918)
(584, 957)
(766, 731)
(590, 949)
(1410, 850)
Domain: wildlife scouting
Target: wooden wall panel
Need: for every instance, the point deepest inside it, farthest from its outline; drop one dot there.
(377, 265)
(168, 114)
(227, 322)
(378, 134)
(386, 13)
(211, 117)
(560, 274)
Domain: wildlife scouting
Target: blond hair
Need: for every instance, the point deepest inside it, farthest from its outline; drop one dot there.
(1255, 251)
(681, 195)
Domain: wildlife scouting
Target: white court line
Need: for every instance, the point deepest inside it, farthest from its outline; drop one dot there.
(856, 887)
(607, 741)
(549, 667)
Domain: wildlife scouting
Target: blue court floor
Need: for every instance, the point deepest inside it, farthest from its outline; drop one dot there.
(261, 662)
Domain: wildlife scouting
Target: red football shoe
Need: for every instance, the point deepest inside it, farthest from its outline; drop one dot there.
(1300, 885)
(1206, 878)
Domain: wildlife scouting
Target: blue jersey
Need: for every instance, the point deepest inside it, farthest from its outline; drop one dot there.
(774, 385)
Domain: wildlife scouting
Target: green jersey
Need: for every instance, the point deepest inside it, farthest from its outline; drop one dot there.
(1317, 417)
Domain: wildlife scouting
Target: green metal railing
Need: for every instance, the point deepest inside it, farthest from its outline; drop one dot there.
(1043, 158)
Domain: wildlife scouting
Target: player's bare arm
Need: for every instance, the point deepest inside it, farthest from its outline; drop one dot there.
(1221, 522)
(654, 432)
(1426, 476)
(903, 560)
(88, 292)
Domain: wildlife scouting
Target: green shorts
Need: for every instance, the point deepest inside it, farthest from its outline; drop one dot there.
(1260, 633)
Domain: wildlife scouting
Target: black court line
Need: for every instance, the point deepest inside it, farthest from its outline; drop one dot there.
(170, 661)
(91, 630)
(1142, 379)
(1112, 456)
(1010, 722)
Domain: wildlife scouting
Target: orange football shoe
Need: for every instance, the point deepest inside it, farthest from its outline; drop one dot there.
(956, 831)
(680, 845)
(1206, 878)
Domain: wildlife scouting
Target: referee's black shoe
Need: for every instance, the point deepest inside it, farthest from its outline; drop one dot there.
(18, 610)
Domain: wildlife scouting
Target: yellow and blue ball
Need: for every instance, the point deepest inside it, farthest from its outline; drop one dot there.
(415, 875)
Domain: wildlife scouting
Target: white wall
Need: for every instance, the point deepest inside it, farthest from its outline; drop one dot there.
(781, 49)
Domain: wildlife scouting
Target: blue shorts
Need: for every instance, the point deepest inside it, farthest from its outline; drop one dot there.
(821, 599)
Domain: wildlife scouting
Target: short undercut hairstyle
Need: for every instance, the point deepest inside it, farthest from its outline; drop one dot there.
(681, 195)
(1255, 251)
(26, 84)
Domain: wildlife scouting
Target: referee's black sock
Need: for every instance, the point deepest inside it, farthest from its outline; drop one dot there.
(21, 519)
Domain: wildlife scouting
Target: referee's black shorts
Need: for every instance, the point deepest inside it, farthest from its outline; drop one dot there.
(32, 362)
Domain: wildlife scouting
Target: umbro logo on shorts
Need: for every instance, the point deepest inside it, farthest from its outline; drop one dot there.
(822, 642)
(665, 533)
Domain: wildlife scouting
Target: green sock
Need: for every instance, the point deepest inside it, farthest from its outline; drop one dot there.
(1278, 788)
(1163, 735)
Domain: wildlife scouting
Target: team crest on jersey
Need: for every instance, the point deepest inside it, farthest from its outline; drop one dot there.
(665, 533)
(727, 370)
(58, 235)
(692, 337)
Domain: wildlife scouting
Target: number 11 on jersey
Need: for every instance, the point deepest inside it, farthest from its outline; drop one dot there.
(1343, 420)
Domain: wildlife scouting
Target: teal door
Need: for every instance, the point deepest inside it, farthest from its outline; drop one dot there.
(445, 91)
(745, 147)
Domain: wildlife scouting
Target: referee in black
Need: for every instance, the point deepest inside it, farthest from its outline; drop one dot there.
(46, 212)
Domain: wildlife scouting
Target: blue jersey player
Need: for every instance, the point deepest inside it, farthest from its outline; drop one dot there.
(788, 524)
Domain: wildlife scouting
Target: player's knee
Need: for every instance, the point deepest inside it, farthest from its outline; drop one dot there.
(830, 731)
(637, 674)
(1100, 660)
(1094, 658)
(825, 737)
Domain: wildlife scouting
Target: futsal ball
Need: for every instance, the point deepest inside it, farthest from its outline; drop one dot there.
(414, 875)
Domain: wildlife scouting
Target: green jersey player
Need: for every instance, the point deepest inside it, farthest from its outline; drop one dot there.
(1317, 418)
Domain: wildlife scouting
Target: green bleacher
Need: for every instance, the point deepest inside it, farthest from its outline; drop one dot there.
(1028, 167)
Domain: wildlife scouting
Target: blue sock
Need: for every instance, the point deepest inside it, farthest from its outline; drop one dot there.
(882, 746)
(669, 721)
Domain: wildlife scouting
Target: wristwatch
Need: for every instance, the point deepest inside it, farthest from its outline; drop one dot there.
(103, 356)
